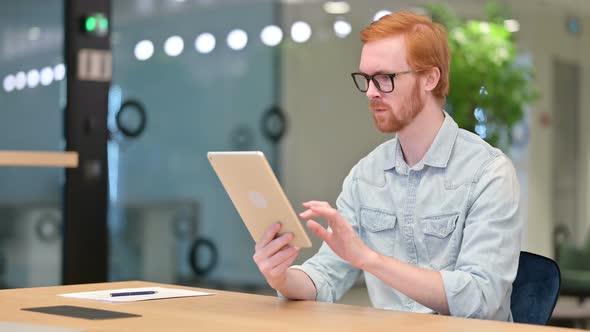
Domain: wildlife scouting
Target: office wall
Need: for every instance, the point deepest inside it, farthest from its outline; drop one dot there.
(545, 35)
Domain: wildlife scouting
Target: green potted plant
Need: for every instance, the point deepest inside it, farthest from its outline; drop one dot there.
(489, 88)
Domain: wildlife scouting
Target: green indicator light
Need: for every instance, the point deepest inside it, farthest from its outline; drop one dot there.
(103, 23)
(90, 24)
(95, 24)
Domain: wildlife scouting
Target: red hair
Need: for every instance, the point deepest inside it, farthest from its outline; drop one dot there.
(426, 42)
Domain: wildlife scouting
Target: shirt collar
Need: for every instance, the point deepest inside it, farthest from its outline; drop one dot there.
(438, 154)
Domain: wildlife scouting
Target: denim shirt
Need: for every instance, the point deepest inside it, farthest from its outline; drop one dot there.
(456, 212)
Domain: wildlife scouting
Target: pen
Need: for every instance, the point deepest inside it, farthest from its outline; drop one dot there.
(133, 293)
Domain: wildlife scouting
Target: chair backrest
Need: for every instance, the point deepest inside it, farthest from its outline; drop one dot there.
(535, 289)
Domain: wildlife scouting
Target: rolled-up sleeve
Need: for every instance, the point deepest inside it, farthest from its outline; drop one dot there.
(481, 284)
(332, 275)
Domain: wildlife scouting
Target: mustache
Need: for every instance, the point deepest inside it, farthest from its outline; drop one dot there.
(375, 104)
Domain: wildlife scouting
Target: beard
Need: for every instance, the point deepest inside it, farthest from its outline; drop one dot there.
(390, 121)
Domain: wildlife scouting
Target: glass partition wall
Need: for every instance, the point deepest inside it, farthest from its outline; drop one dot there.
(206, 82)
(31, 106)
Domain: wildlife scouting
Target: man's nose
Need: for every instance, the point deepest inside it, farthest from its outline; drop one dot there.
(372, 91)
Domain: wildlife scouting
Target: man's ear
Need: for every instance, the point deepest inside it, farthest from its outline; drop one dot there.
(431, 78)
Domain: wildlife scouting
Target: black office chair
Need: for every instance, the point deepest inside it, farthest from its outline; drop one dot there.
(535, 289)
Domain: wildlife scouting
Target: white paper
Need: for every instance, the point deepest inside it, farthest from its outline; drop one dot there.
(22, 327)
(160, 293)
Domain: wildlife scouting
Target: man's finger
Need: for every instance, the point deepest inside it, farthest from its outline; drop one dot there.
(335, 220)
(307, 214)
(316, 203)
(269, 235)
(281, 256)
(275, 245)
(319, 230)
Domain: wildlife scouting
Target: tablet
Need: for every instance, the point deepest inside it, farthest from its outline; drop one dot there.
(257, 194)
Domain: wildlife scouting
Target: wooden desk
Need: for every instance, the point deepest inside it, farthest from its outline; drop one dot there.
(228, 311)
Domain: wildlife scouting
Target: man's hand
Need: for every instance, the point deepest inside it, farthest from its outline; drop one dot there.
(273, 256)
(343, 240)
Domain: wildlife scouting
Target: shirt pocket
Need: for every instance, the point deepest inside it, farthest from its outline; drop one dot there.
(439, 240)
(377, 229)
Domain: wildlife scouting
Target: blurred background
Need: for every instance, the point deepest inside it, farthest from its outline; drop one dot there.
(191, 76)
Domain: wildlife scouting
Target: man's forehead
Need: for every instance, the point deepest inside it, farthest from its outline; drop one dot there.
(385, 54)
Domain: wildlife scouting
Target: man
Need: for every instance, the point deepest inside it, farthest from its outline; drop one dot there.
(429, 217)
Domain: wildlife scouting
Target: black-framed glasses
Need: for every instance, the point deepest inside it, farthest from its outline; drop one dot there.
(383, 82)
